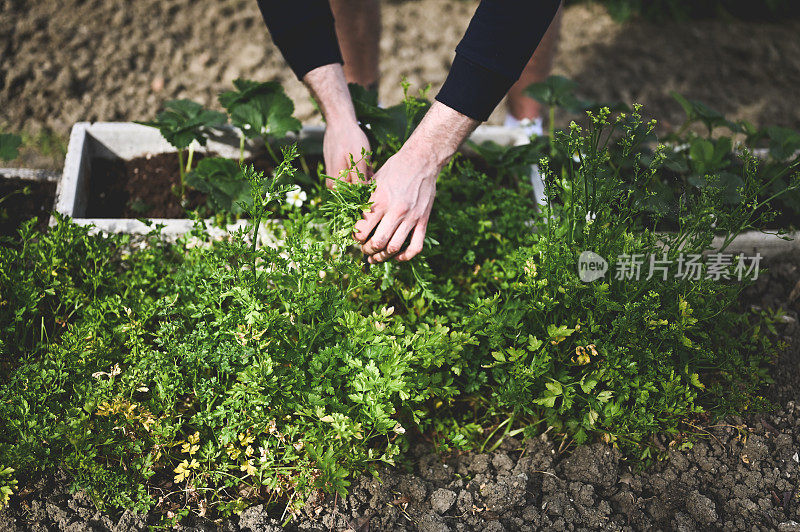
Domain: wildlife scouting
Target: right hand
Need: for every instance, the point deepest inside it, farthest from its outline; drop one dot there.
(341, 141)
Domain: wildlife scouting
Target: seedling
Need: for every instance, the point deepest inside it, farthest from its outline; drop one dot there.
(221, 180)
(260, 110)
(700, 112)
(9, 146)
(182, 122)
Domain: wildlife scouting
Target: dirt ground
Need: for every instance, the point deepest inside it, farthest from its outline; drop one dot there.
(63, 62)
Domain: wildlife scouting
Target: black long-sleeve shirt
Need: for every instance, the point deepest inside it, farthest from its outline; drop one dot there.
(499, 41)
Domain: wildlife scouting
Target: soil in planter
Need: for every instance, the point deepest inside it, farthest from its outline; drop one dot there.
(136, 188)
(143, 187)
(23, 199)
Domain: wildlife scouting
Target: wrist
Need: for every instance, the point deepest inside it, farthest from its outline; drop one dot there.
(329, 88)
(440, 134)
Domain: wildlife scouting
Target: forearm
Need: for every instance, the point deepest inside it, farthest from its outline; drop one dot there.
(329, 88)
(440, 134)
(499, 41)
(304, 32)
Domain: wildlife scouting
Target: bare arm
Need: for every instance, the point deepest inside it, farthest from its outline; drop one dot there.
(343, 136)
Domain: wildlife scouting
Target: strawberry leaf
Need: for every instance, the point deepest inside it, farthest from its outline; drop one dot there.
(183, 121)
(9, 146)
(260, 109)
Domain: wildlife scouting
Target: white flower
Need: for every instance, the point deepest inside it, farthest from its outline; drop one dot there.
(590, 216)
(296, 196)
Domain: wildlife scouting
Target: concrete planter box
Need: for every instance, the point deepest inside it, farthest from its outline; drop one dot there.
(112, 140)
(127, 140)
(29, 174)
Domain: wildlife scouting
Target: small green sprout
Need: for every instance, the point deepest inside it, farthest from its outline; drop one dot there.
(9, 146)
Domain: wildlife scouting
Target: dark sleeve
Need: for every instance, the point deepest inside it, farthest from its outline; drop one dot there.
(304, 32)
(499, 42)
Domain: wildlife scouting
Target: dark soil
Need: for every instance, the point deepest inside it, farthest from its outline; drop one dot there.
(743, 474)
(23, 199)
(146, 186)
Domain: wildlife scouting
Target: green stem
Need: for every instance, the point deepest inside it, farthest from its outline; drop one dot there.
(255, 242)
(182, 172)
(271, 152)
(189, 160)
(241, 150)
(552, 130)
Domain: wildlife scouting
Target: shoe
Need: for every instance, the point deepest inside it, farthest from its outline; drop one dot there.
(531, 128)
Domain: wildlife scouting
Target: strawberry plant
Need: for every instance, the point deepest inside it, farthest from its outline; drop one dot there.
(181, 123)
(260, 110)
(388, 127)
(221, 181)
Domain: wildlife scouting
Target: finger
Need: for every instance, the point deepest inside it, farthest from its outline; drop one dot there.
(347, 172)
(363, 227)
(330, 183)
(415, 247)
(395, 244)
(383, 234)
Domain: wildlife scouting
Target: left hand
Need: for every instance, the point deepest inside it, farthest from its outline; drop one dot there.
(401, 204)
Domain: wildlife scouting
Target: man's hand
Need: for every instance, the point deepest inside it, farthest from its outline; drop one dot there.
(401, 204)
(343, 136)
(402, 201)
(343, 140)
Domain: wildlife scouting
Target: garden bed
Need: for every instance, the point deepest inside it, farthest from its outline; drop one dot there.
(199, 380)
(742, 474)
(141, 165)
(104, 151)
